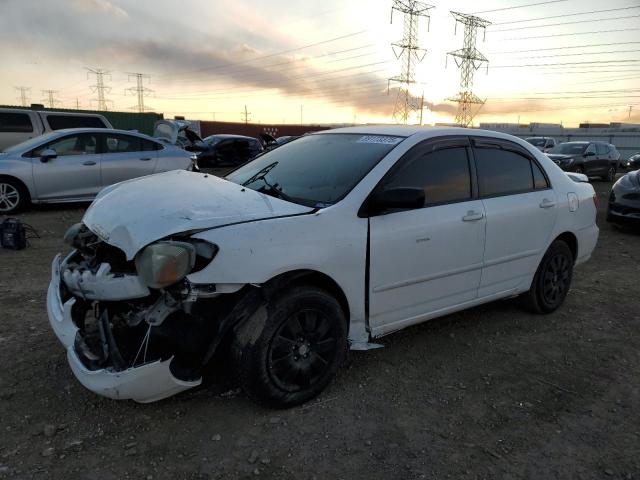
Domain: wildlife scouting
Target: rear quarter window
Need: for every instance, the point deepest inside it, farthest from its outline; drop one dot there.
(15, 122)
(58, 122)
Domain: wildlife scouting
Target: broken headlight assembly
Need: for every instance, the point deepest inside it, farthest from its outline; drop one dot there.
(165, 263)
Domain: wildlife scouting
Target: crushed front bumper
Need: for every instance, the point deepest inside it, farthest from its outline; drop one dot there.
(145, 383)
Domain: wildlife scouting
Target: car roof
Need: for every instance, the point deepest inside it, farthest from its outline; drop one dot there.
(230, 135)
(99, 130)
(422, 132)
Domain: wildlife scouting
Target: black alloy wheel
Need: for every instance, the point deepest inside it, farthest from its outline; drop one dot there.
(291, 348)
(556, 278)
(301, 349)
(552, 280)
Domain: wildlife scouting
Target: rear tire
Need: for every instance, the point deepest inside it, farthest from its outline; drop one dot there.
(300, 341)
(611, 174)
(552, 280)
(13, 196)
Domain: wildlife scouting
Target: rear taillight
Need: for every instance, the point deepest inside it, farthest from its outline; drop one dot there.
(596, 200)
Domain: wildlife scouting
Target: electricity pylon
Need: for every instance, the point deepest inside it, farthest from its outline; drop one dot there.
(409, 53)
(140, 91)
(468, 59)
(100, 88)
(23, 96)
(50, 98)
(246, 115)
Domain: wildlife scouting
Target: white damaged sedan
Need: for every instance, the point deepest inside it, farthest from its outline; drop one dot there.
(325, 243)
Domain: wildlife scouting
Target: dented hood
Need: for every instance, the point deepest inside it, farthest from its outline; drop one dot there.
(132, 214)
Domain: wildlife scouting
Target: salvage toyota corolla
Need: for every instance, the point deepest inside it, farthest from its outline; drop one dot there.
(328, 242)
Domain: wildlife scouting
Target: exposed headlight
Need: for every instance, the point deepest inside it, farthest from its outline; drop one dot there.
(165, 263)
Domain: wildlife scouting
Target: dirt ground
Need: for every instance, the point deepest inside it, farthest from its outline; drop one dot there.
(490, 393)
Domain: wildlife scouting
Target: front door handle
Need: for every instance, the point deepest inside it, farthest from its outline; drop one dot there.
(473, 216)
(89, 162)
(546, 203)
(144, 159)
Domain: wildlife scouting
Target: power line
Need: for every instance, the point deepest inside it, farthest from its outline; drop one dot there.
(519, 6)
(233, 70)
(23, 95)
(564, 48)
(572, 34)
(578, 54)
(140, 91)
(409, 53)
(291, 50)
(567, 15)
(565, 23)
(566, 63)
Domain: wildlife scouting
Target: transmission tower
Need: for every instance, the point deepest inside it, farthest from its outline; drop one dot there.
(245, 115)
(139, 90)
(24, 101)
(100, 88)
(409, 53)
(50, 100)
(468, 59)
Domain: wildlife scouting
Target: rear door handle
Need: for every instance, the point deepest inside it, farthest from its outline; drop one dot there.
(546, 203)
(89, 162)
(144, 159)
(472, 216)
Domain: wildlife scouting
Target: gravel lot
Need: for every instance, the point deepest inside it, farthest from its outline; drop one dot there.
(492, 392)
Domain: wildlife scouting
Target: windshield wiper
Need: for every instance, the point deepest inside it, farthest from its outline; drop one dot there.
(259, 175)
(273, 190)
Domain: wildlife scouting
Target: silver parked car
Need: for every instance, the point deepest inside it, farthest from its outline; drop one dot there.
(75, 164)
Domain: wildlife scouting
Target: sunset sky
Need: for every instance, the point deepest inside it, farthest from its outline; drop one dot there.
(209, 59)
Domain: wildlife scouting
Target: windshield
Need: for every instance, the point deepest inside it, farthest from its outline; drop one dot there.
(31, 143)
(212, 140)
(316, 170)
(570, 148)
(537, 142)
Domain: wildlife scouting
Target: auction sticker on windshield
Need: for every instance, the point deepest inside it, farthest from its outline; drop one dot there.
(386, 140)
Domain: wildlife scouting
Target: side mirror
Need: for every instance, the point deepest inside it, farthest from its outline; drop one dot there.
(399, 197)
(47, 154)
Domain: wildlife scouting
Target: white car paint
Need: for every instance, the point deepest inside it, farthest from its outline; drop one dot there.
(424, 263)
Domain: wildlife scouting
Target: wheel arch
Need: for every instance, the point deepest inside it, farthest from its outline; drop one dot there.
(571, 240)
(309, 277)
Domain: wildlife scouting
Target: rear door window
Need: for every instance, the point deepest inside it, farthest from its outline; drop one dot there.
(58, 122)
(15, 122)
(119, 143)
(602, 149)
(503, 172)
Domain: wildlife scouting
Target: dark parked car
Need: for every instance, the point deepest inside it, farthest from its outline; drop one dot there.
(544, 144)
(624, 200)
(226, 150)
(633, 163)
(594, 159)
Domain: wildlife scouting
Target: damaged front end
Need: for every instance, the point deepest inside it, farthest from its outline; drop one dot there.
(138, 329)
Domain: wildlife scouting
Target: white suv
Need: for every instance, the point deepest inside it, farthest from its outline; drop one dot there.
(332, 240)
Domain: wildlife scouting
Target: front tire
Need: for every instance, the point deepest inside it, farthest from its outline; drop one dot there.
(552, 280)
(13, 196)
(298, 350)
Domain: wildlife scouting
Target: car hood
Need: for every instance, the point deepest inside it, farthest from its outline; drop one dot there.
(132, 214)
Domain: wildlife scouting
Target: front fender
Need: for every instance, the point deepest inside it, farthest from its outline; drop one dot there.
(331, 241)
